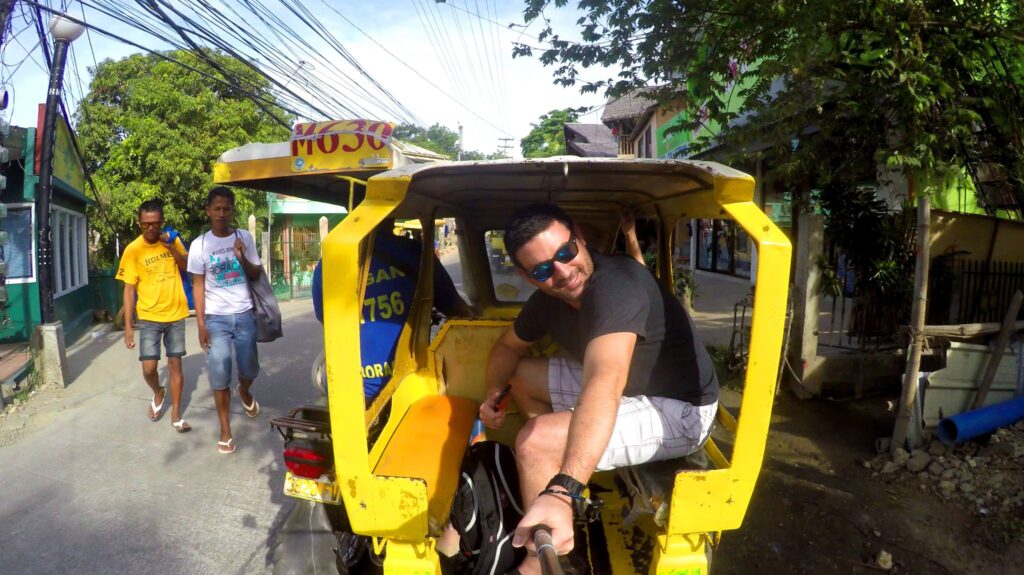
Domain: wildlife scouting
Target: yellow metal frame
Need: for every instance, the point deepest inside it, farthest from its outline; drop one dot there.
(380, 506)
(705, 502)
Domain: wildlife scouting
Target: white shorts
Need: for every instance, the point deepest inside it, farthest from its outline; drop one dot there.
(646, 428)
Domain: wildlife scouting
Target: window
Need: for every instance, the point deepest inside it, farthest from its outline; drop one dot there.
(508, 285)
(19, 253)
(70, 253)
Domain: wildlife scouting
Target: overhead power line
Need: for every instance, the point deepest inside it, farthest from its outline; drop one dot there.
(441, 54)
(270, 41)
(163, 57)
(422, 77)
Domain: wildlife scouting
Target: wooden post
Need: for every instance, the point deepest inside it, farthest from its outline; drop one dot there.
(997, 353)
(917, 315)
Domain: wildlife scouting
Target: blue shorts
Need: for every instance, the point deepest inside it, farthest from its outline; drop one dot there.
(227, 333)
(150, 332)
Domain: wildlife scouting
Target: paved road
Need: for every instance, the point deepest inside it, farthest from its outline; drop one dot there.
(92, 486)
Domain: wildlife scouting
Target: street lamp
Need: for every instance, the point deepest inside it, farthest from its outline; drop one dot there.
(64, 31)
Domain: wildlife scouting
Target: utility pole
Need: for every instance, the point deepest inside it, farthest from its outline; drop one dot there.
(504, 146)
(460, 142)
(6, 7)
(5, 11)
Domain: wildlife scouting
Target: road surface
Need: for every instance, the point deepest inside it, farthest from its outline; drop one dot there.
(89, 485)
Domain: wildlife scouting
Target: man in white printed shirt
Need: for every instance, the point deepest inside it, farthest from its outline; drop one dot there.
(222, 262)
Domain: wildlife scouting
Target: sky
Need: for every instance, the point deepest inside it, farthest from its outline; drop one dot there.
(448, 63)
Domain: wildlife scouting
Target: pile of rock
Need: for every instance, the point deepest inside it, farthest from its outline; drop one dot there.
(988, 477)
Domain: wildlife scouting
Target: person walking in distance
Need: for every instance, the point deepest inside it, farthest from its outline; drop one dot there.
(150, 269)
(222, 262)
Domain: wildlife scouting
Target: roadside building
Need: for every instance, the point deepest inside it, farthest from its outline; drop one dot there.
(295, 242)
(73, 295)
(637, 124)
(73, 299)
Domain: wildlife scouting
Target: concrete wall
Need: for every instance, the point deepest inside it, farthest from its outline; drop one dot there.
(985, 237)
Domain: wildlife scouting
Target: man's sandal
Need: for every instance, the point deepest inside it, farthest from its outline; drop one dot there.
(226, 447)
(250, 410)
(181, 425)
(156, 411)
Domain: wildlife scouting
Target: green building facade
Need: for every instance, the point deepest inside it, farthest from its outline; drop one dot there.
(74, 296)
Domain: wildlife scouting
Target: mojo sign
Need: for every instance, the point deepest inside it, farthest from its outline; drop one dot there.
(341, 145)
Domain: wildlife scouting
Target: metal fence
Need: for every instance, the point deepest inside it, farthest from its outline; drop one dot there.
(971, 291)
(294, 254)
(836, 311)
(854, 316)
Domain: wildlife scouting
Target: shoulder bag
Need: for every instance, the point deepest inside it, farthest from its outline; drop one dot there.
(264, 306)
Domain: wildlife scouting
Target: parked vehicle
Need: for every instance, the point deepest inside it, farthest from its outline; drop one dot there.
(387, 500)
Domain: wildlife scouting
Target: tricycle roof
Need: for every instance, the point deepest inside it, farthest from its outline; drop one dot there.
(596, 188)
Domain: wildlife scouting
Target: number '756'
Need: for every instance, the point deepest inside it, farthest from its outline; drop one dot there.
(384, 306)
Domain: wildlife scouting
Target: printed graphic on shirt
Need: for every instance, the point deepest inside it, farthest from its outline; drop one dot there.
(224, 268)
(385, 309)
(161, 271)
(154, 272)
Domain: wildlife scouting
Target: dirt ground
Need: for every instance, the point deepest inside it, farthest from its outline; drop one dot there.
(819, 508)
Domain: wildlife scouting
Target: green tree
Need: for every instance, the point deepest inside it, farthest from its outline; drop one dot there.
(829, 92)
(150, 128)
(473, 155)
(440, 139)
(919, 86)
(436, 138)
(547, 138)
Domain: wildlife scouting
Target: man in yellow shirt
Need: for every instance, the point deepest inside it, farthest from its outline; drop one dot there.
(151, 271)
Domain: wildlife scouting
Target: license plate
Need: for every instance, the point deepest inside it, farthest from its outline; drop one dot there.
(311, 489)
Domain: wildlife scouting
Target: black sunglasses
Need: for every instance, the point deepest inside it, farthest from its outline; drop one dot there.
(565, 254)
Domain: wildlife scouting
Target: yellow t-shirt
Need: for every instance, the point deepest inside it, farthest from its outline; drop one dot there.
(153, 271)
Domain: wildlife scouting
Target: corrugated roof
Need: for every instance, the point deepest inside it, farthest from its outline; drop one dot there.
(629, 106)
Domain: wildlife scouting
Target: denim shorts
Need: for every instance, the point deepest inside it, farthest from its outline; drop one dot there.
(173, 333)
(227, 333)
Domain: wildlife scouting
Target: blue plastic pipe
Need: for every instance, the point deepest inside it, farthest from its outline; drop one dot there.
(970, 424)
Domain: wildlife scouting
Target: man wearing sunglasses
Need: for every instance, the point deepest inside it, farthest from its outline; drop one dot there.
(632, 383)
(151, 268)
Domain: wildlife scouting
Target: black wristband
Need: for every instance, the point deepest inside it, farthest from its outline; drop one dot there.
(570, 496)
(568, 483)
(583, 509)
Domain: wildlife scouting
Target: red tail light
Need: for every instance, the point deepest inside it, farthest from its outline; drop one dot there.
(308, 460)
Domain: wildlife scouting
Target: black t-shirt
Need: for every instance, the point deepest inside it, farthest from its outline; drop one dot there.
(622, 296)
